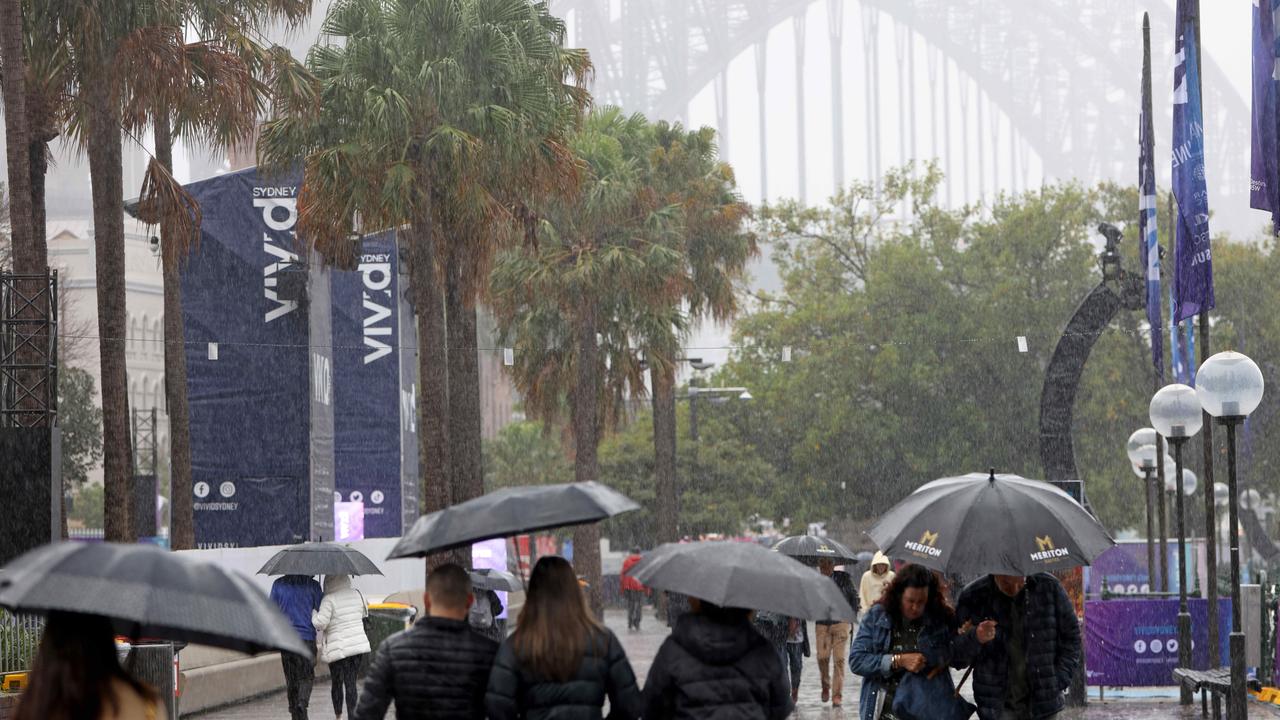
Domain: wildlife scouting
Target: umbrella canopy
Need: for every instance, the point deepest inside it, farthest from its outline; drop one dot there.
(743, 575)
(319, 558)
(148, 592)
(486, 579)
(810, 549)
(511, 511)
(991, 524)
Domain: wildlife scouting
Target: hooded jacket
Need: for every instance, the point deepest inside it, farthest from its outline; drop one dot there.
(716, 671)
(339, 622)
(873, 585)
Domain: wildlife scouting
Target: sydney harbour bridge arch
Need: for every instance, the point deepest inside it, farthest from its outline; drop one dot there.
(1004, 93)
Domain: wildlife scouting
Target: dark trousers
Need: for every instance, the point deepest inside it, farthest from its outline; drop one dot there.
(342, 675)
(795, 656)
(635, 608)
(299, 677)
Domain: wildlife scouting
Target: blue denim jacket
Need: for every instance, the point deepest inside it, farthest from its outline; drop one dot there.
(870, 657)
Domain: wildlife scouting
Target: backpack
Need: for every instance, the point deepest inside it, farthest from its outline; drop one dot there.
(480, 616)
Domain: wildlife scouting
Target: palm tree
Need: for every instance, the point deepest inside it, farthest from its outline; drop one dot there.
(425, 115)
(13, 85)
(686, 170)
(567, 304)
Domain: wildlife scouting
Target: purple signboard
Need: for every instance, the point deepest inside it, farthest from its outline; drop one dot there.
(348, 521)
(1122, 570)
(1134, 643)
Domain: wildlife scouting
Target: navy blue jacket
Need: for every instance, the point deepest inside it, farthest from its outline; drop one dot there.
(298, 596)
(1051, 642)
(870, 655)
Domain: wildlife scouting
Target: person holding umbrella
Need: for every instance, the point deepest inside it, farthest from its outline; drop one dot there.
(833, 638)
(298, 596)
(561, 661)
(76, 674)
(339, 624)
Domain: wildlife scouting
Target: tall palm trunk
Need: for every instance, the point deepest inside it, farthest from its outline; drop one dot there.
(464, 388)
(182, 535)
(17, 134)
(586, 438)
(38, 166)
(106, 175)
(663, 378)
(433, 407)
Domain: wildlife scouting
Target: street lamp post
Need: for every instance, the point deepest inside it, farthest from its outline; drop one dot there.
(1229, 386)
(1144, 466)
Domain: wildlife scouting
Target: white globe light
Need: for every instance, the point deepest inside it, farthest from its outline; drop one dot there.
(1175, 411)
(1189, 482)
(1229, 385)
(1139, 439)
(1250, 499)
(1220, 493)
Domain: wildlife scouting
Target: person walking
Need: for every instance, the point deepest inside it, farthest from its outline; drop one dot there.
(1022, 639)
(909, 630)
(797, 651)
(483, 616)
(833, 638)
(874, 581)
(716, 665)
(298, 596)
(440, 667)
(76, 674)
(772, 627)
(339, 624)
(633, 590)
(560, 662)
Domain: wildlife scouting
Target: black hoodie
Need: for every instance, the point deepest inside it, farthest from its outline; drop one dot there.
(716, 671)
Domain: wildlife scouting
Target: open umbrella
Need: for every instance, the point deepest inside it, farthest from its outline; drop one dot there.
(743, 575)
(809, 549)
(500, 580)
(149, 593)
(511, 511)
(319, 558)
(980, 524)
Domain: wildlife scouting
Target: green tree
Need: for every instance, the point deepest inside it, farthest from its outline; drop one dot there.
(80, 421)
(525, 453)
(87, 505)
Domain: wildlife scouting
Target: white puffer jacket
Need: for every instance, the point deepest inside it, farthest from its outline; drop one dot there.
(340, 620)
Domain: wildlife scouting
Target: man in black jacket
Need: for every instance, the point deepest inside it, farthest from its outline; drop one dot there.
(1023, 642)
(439, 668)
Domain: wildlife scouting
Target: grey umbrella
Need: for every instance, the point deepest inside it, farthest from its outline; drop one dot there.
(149, 593)
(319, 558)
(743, 575)
(486, 579)
(980, 524)
(809, 549)
(511, 511)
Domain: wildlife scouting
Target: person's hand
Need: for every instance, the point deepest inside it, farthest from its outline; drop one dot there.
(986, 631)
(911, 662)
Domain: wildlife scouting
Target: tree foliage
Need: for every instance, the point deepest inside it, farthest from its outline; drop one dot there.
(80, 420)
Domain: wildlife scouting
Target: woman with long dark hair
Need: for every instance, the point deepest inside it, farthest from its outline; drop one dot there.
(76, 676)
(561, 661)
(908, 632)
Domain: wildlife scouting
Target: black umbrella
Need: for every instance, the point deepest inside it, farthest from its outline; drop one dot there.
(990, 524)
(511, 511)
(486, 579)
(149, 593)
(810, 549)
(743, 575)
(320, 558)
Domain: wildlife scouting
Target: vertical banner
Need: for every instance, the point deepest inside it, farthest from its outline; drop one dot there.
(1149, 241)
(320, 315)
(408, 358)
(254, 385)
(366, 338)
(1193, 282)
(1264, 186)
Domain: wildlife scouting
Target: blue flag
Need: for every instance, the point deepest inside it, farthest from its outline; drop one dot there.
(1265, 167)
(1193, 283)
(1149, 239)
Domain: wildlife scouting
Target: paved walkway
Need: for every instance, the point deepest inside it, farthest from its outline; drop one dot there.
(642, 646)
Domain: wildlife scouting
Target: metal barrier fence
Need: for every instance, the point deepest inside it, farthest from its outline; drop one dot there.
(19, 639)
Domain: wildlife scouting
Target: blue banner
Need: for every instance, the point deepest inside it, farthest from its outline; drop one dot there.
(1193, 284)
(1149, 241)
(1134, 643)
(259, 388)
(366, 338)
(1265, 167)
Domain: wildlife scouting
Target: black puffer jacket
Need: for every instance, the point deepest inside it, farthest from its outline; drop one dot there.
(1052, 643)
(714, 671)
(516, 692)
(439, 668)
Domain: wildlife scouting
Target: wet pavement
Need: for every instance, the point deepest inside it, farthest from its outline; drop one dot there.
(642, 646)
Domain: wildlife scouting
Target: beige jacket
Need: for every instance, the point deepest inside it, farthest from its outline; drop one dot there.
(130, 705)
(873, 585)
